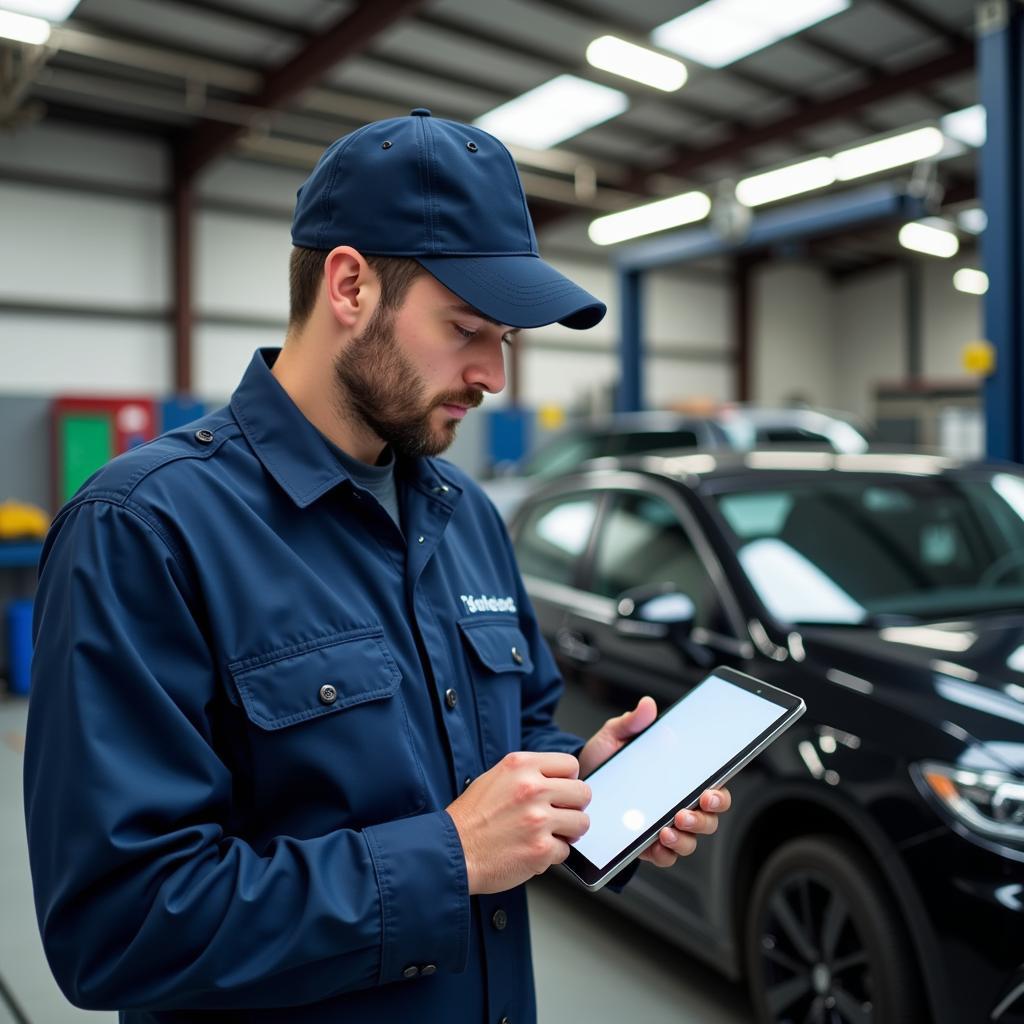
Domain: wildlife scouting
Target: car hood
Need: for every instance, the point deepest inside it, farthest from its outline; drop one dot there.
(965, 677)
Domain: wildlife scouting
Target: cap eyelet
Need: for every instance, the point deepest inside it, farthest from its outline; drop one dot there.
(472, 147)
(386, 145)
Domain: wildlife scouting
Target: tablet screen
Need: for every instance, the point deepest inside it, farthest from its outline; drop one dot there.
(684, 748)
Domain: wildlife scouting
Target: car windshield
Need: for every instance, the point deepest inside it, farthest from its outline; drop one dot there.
(871, 550)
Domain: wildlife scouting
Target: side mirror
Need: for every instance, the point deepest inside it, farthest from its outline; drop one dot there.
(656, 611)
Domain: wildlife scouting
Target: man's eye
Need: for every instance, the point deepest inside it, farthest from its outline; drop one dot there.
(465, 332)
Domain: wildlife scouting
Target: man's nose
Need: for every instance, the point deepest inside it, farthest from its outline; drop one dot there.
(486, 371)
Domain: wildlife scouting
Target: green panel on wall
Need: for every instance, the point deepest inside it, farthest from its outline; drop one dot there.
(87, 442)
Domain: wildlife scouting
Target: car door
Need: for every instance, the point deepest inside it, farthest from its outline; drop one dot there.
(645, 536)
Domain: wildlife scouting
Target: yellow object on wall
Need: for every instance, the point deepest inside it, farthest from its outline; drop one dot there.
(979, 358)
(551, 417)
(19, 521)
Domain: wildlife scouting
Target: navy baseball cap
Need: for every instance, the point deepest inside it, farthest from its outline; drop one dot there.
(449, 196)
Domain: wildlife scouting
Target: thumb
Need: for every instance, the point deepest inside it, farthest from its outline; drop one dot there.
(634, 721)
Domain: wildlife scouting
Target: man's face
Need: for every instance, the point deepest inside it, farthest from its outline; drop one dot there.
(414, 372)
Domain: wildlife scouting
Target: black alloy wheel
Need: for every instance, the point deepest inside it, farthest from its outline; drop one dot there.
(823, 942)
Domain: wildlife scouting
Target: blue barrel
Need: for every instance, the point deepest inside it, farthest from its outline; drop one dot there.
(19, 644)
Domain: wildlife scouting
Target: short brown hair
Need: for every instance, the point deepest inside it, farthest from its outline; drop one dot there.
(306, 271)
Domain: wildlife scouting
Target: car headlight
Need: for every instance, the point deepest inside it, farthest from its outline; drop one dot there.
(989, 803)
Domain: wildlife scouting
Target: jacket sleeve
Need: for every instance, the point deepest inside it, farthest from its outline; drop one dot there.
(144, 899)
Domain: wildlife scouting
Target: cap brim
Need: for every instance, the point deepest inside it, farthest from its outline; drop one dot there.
(521, 291)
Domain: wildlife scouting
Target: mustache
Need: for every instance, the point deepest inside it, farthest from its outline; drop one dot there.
(470, 399)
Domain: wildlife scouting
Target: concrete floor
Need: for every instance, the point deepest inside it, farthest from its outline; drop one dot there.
(591, 963)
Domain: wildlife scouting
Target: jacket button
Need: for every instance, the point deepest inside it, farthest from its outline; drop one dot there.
(451, 698)
(504, 1020)
(411, 971)
(328, 694)
(204, 436)
(427, 970)
(466, 781)
(516, 656)
(500, 920)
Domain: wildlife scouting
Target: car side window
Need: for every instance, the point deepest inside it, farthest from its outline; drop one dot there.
(643, 541)
(554, 535)
(656, 440)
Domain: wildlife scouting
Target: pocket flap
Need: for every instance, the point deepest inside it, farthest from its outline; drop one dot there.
(285, 686)
(498, 643)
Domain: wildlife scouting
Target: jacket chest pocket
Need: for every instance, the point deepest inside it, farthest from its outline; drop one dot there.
(500, 661)
(329, 732)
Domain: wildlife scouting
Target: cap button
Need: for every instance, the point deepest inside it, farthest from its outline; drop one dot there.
(419, 112)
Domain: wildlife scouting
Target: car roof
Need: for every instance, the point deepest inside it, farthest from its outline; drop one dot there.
(709, 469)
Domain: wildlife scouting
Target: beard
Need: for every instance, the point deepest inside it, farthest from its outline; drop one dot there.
(378, 386)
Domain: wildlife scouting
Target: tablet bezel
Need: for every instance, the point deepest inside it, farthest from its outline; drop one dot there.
(791, 707)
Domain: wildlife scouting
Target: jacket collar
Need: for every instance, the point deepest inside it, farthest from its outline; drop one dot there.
(295, 453)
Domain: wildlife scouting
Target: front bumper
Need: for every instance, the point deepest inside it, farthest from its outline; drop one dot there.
(974, 898)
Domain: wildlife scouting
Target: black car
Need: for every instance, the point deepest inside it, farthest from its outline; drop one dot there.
(872, 867)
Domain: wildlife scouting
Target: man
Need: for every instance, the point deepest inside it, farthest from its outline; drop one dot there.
(291, 754)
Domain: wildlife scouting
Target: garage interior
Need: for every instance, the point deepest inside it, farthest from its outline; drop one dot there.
(847, 235)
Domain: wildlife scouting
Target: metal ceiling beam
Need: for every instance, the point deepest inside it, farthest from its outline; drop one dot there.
(891, 84)
(494, 38)
(348, 36)
(925, 20)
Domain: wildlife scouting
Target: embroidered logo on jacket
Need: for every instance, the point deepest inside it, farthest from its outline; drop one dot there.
(483, 603)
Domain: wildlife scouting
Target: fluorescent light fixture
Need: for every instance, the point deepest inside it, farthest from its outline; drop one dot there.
(609, 53)
(651, 217)
(894, 151)
(974, 220)
(23, 29)
(51, 10)
(971, 281)
(926, 238)
(966, 126)
(721, 31)
(553, 112)
(786, 181)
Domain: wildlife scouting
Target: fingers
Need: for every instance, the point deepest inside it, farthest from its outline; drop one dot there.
(696, 823)
(568, 793)
(717, 800)
(569, 825)
(632, 722)
(555, 766)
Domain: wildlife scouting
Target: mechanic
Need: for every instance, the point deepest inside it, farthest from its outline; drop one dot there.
(290, 752)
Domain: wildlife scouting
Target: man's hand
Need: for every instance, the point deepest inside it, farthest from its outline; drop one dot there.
(672, 842)
(518, 819)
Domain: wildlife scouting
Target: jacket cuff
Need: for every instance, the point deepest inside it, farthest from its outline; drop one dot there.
(424, 896)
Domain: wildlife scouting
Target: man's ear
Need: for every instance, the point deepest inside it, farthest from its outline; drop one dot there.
(351, 287)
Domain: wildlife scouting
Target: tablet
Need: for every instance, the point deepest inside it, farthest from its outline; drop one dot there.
(698, 743)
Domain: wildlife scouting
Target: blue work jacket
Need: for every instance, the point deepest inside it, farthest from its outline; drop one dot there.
(253, 696)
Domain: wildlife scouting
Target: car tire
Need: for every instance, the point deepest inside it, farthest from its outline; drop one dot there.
(823, 942)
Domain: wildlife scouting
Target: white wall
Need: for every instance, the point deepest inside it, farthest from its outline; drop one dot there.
(870, 330)
(793, 335)
(950, 320)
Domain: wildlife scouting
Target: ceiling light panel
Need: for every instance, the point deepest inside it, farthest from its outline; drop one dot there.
(51, 10)
(971, 281)
(722, 31)
(897, 150)
(973, 220)
(929, 239)
(645, 220)
(553, 112)
(23, 29)
(967, 126)
(609, 53)
(786, 181)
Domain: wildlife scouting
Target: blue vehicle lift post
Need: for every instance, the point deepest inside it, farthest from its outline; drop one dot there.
(1001, 81)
